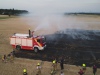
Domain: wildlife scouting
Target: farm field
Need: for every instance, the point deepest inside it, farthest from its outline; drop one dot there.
(9, 26)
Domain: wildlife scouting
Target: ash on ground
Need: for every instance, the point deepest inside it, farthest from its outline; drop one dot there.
(76, 46)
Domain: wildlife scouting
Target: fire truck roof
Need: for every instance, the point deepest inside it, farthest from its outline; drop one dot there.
(26, 36)
(21, 35)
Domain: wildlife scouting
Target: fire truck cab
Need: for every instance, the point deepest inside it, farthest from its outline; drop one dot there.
(27, 42)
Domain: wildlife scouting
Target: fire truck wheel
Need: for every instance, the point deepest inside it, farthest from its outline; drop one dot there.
(36, 49)
(18, 47)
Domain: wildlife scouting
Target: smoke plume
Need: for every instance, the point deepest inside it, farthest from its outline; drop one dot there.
(50, 23)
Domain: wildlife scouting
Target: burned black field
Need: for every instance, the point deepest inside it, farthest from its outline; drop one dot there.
(75, 46)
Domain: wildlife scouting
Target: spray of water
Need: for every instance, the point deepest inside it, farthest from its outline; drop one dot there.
(50, 23)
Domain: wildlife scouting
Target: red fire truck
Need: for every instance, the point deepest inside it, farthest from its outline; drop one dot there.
(28, 42)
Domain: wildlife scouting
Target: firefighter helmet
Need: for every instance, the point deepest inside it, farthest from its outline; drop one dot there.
(24, 70)
(54, 61)
(38, 64)
(84, 65)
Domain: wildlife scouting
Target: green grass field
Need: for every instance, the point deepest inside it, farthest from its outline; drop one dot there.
(6, 17)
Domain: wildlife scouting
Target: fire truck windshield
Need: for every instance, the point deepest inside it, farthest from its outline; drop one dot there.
(43, 40)
(38, 40)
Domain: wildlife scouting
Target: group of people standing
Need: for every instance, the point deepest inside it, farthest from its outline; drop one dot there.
(54, 66)
(10, 56)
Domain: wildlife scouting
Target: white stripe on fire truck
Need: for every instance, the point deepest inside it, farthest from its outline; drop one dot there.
(37, 43)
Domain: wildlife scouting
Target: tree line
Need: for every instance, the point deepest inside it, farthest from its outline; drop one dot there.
(12, 12)
(82, 13)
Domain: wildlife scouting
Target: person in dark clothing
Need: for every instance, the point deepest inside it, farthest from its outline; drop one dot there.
(55, 63)
(81, 72)
(29, 33)
(4, 58)
(61, 63)
(13, 52)
(11, 57)
(94, 69)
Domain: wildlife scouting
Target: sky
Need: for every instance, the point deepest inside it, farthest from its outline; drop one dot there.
(60, 6)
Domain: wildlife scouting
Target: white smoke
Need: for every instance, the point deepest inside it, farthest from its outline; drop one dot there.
(55, 22)
(49, 23)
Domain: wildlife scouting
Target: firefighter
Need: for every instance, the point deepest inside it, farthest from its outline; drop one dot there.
(11, 57)
(38, 69)
(56, 62)
(84, 67)
(61, 63)
(29, 33)
(81, 72)
(24, 72)
(4, 58)
(53, 71)
(94, 69)
(54, 65)
(13, 53)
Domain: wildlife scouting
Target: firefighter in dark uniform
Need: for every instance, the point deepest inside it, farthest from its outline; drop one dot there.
(56, 62)
(94, 69)
(61, 63)
(11, 57)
